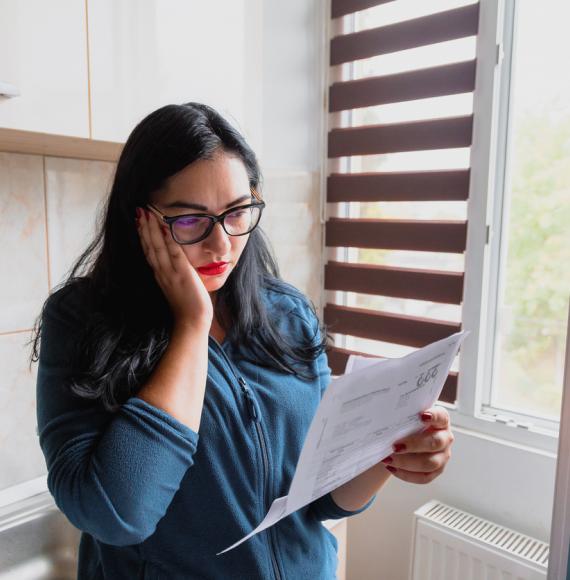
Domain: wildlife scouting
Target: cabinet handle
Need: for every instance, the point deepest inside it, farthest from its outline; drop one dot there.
(8, 90)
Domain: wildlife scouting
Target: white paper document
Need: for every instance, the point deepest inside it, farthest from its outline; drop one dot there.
(362, 413)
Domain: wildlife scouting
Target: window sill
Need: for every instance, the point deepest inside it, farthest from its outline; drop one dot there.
(534, 440)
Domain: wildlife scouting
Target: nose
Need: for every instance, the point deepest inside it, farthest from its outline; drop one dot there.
(218, 242)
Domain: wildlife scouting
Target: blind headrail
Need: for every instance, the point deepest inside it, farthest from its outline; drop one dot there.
(440, 27)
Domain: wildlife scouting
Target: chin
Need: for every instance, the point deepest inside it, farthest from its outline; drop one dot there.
(211, 284)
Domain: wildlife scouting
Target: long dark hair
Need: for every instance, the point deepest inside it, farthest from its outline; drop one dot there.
(119, 347)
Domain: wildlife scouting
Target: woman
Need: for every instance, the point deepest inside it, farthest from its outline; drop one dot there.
(179, 375)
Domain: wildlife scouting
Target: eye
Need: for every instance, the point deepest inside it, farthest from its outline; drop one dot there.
(238, 213)
(188, 222)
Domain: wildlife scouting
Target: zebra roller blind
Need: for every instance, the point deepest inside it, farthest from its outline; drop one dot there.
(348, 320)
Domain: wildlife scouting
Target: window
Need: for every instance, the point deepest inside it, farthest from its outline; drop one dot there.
(530, 250)
(440, 213)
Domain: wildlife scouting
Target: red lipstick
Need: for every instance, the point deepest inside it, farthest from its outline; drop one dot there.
(213, 269)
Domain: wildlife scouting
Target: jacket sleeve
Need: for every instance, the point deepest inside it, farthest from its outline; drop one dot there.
(324, 507)
(112, 474)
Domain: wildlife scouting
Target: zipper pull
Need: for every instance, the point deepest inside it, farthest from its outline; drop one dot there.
(250, 402)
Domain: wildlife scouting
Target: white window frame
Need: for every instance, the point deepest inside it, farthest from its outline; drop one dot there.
(485, 208)
(498, 245)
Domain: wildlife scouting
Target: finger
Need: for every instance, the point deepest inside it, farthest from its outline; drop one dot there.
(146, 243)
(157, 240)
(423, 442)
(439, 417)
(416, 477)
(178, 258)
(419, 462)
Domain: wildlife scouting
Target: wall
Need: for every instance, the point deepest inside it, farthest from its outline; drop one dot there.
(47, 215)
(503, 483)
(292, 125)
(48, 207)
(292, 94)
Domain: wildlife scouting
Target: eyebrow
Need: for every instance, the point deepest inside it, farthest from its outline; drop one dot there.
(202, 207)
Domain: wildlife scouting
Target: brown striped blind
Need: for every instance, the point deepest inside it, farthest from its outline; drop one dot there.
(450, 185)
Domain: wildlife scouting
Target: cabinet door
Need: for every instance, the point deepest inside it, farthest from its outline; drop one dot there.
(43, 56)
(148, 53)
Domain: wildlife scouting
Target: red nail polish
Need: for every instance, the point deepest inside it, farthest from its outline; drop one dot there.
(426, 416)
(390, 468)
(399, 447)
(387, 460)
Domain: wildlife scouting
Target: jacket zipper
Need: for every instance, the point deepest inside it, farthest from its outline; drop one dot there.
(254, 415)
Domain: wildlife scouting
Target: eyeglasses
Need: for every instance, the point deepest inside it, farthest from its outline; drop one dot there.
(194, 227)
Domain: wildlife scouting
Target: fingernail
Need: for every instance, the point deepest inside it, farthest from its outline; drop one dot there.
(426, 416)
(387, 460)
(399, 447)
(390, 468)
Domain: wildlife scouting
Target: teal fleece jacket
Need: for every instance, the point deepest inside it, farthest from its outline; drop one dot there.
(155, 499)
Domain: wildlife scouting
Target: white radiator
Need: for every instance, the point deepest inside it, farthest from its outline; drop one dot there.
(450, 544)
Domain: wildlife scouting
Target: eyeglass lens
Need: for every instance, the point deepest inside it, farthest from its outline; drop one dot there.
(190, 228)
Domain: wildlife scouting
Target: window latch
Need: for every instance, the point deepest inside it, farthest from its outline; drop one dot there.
(500, 54)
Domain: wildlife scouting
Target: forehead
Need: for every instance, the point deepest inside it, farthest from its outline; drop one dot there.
(207, 184)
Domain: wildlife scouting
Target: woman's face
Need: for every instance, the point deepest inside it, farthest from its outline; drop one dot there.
(210, 186)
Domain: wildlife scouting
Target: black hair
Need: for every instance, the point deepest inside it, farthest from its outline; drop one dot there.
(119, 348)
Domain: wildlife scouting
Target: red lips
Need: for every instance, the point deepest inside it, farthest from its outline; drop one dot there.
(213, 269)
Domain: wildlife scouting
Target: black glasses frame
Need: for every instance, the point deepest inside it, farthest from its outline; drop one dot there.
(214, 219)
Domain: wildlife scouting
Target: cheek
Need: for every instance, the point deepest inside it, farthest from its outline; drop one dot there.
(192, 255)
(238, 245)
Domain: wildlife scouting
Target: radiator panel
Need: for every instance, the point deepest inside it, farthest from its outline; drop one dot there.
(450, 544)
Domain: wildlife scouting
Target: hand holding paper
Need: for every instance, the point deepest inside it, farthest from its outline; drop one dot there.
(362, 413)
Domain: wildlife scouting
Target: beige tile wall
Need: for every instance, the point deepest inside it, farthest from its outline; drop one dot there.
(23, 262)
(48, 208)
(76, 190)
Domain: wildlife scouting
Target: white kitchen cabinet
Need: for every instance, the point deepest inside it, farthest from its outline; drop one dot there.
(43, 56)
(144, 54)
